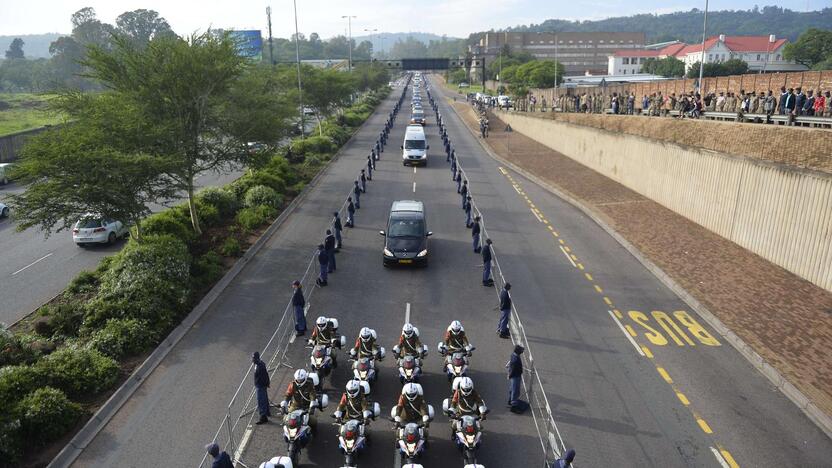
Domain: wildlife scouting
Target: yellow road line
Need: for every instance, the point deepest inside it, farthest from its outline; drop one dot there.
(607, 300)
(598, 288)
(664, 375)
(561, 241)
(581, 266)
(630, 330)
(728, 458)
(588, 276)
(647, 351)
(568, 249)
(681, 396)
(704, 426)
(618, 313)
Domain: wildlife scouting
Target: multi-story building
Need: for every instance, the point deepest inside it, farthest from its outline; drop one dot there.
(579, 52)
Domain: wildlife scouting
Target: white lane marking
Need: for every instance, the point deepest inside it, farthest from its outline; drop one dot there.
(719, 458)
(407, 313)
(36, 261)
(632, 341)
(536, 215)
(501, 169)
(414, 169)
(517, 189)
(568, 257)
(414, 187)
(243, 443)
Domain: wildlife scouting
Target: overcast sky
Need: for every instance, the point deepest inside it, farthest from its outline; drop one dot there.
(452, 17)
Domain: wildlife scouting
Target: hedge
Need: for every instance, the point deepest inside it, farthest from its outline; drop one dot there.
(46, 414)
(79, 371)
(120, 338)
(221, 198)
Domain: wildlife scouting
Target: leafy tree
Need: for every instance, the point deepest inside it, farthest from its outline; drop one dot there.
(734, 67)
(324, 90)
(458, 76)
(539, 73)
(142, 25)
(67, 54)
(726, 68)
(88, 30)
(813, 47)
(667, 67)
(187, 106)
(15, 49)
(77, 168)
(409, 48)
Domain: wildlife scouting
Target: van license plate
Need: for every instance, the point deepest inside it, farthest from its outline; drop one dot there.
(405, 261)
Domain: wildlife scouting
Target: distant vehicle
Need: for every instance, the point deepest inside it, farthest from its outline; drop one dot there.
(415, 147)
(255, 147)
(463, 85)
(308, 111)
(418, 117)
(504, 101)
(4, 173)
(406, 237)
(4, 211)
(92, 229)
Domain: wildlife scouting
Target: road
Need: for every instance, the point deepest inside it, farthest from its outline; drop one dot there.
(685, 398)
(36, 268)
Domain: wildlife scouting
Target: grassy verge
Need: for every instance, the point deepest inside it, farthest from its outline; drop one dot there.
(24, 111)
(61, 363)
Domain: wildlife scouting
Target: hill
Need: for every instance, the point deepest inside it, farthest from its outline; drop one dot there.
(391, 38)
(687, 25)
(34, 45)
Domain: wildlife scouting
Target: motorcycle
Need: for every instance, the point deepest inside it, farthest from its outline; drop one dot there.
(456, 365)
(364, 369)
(410, 438)
(285, 462)
(321, 364)
(296, 430)
(468, 436)
(410, 369)
(352, 438)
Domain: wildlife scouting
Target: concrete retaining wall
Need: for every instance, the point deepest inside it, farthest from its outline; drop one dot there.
(781, 213)
(10, 145)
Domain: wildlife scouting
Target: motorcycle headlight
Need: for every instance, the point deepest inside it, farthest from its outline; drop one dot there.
(411, 448)
(469, 438)
(349, 443)
(458, 369)
(319, 361)
(293, 432)
(423, 253)
(362, 374)
(388, 252)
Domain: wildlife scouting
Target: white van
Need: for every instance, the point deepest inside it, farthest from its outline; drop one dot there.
(415, 147)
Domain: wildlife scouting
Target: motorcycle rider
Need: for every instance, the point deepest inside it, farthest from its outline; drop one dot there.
(353, 404)
(467, 401)
(455, 339)
(411, 407)
(325, 334)
(300, 393)
(409, 343)
(365, 345)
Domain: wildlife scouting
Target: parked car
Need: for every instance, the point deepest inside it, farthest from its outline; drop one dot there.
(93, 229)
(4, 211)
(4, 173)
(464, 85)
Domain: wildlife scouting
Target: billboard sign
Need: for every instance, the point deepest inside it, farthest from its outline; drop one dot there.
(249, 43)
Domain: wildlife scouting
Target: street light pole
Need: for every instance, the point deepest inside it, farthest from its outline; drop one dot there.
(702, 59)
(297, 61)
(271, 47)
(349, 39)
(372, 40)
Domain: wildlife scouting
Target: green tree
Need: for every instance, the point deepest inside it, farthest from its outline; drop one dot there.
(77, 168)
(15, 49)
(813, 47)
(667, 67)
(539, 73)
(324, 90)
(726, 68)
(142, 25)
(88, 30)
(409, 48)
(186, 104)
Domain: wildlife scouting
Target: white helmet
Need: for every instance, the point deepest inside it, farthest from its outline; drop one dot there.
(466, 385)
(410, 391)
(366, 334)
(407, 330)
(300, 376)
(353, 388)
(321, 322)
(455, 327)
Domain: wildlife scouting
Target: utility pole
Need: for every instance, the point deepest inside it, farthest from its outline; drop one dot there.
(372, 41)
(349, 39)
(702, 60)
(271, 47)
(297, 61)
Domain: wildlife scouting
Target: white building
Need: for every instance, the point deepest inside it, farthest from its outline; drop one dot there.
(760, 52)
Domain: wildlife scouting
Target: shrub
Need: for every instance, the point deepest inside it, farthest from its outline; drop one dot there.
(231, 247)
(84, 282)
(252, 218)
(335, 132)
(148, 281)
(17, 381)
(16, 349)
(122, 337)
(221, 198)
(262, 195)
(242, 185)
(352, 119)
(64, 319)
(11, 447)
(46, 414)
(206, 269)
(168, 222)
(79, 371)
(209, 215)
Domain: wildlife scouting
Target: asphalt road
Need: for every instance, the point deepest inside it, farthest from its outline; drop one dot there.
(35, 268)
(682, 397)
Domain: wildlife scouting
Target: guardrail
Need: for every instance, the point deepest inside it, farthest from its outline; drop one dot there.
(551, 441)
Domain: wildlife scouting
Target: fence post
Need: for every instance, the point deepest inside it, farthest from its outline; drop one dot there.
(230, 433)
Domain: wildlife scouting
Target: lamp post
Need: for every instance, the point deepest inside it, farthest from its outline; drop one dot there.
(372, 40)
(702, 59)
(349, 39)
(297, 60)
(771, 39)
(271, 48)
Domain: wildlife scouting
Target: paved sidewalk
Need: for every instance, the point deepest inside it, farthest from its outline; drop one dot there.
(785, 319)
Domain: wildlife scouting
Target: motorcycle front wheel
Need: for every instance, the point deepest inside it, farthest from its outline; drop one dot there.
(470, 457)
(293, 453)
(349, 460)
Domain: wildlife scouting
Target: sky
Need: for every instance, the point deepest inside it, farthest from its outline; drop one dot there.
(455, 18)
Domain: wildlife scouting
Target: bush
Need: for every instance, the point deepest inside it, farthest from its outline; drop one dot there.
(169, 222)
(147, 281)
(122, 337)
(46, 414)
(207, 269)
(220, 198)
(209, 215)
(84, 282)
(338, 134)
(15, 349)
(17, 381)
(231, 246)
(313, 144)
(352, 119)
(252, 218)
(79, 371)
(242, 185)
(11, 447)
(262, 195)
(65, 319)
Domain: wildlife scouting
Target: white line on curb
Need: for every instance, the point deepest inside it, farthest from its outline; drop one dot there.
(635, 345)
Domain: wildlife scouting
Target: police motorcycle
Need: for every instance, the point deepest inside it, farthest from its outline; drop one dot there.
(466, 429)
(321, 359)
(410, 366)
(456, 363)
(352, 435)
(296, 429)
(364, 368)
(411, 438)
(278, 462)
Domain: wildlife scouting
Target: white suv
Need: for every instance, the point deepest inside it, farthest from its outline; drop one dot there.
(4, 210)
(94, 230)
